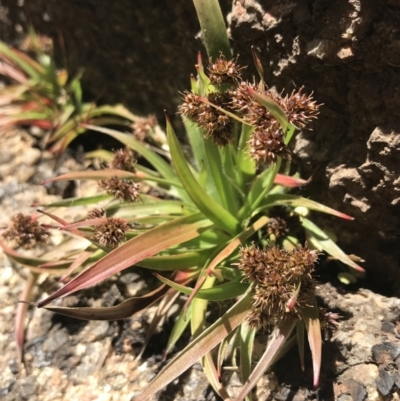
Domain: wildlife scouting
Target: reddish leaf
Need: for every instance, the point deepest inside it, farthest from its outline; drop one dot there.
(141, 247)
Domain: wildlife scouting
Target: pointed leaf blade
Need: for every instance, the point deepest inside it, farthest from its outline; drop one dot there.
(204, 343)
(147, 244)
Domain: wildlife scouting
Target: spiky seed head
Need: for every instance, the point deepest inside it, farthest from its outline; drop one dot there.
(277, 274)
(216, 124)
(282, 222)
(142, 126)
(26, 232)
(124, 159)
(191, 107)
(257, 115)
(300, 108)
(241, 98)
(111, 233)
(124, 190)
(223, 71)
(95, 213)
(266, 144)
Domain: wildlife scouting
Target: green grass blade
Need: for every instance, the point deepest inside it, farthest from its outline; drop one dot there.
(199, 347)
(295, 200)
(220, 216)
(247, 336)
(133, 251)
(220, 292)
(280, 334)
(321, 241)
(213, 28)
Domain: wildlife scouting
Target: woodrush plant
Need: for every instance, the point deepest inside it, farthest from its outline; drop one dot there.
(41, 95)
(224, 229)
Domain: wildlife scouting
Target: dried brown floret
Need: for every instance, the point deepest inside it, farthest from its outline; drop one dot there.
(223, 71)
(26, 232)
(111, 233)
(241, 100)
(300, 108)
(36, 43)
(95, 213)
(142, 126)
(124, 159)
(125, 190)
(191, 107)
(277, 275)
(218, 125)
(282, 222)
(266, 144)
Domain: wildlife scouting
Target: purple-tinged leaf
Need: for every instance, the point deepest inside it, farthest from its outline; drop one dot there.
(162, 311)
(82, 258)
(199, 347)
(133, 251)
(92, 175)
(289, 182)
(310, 316)
(34, 264)
(121, 311)
(280, 334)
(22, 308)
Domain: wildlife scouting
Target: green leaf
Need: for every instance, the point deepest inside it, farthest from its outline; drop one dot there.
(244, 162)
(178, 329)
(295, 201)
(163, 168)
(220, 216)
(71, 202)
(320, 240)
(213, 28)
(199, 347)
(133, 251)
(196, 141)
(272, 107)
(247, 336)
(177, 262)
(279, 336)
(220, 292)
(219, 175)
(28, 65)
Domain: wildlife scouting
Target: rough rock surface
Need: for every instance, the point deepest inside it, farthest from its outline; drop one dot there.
(348, 53)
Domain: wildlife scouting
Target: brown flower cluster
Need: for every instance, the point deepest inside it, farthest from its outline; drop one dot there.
(124, 159)
(111, 233)
(282, 281)
(125, 190)
(267, 141)
(282, 223)
(26, 232)
(122, 189)
(96, 213)
(142, 126)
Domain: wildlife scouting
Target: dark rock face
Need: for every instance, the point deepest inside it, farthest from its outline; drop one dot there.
(347, 52)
